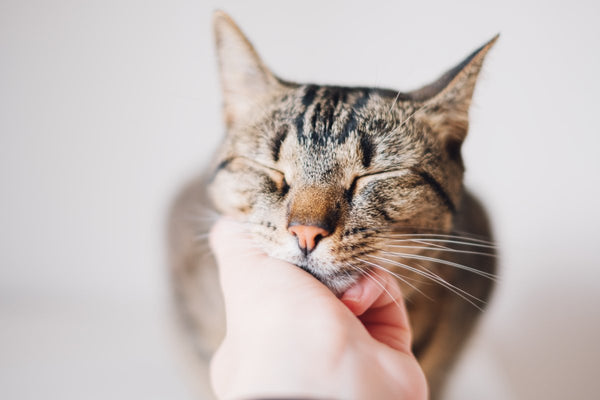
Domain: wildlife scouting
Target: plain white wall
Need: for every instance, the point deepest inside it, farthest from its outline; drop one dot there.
(107, 107)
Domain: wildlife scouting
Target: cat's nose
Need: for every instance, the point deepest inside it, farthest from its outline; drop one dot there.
(308, 236)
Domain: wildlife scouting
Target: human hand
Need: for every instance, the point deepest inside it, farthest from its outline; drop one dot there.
(288, 336)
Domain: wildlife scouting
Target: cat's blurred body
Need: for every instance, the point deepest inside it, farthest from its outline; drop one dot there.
(372, 176)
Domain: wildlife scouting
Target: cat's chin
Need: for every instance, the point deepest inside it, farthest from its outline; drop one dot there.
(321, 266)
(338, 283)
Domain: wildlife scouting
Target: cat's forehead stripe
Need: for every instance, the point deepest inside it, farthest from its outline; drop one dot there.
(367, 148)
(277, 141)
(309, 95)
(322, 107)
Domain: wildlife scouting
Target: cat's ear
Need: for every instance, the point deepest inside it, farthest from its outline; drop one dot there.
(245, 79)
(445, 102)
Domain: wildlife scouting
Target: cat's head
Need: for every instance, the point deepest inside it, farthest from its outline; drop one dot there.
(323, 175)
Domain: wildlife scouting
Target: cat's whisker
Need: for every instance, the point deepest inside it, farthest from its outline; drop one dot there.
(441, 261)
(398, 276)
(419, 229)
(394, 102)
(433, 245)
(406, 231)
(354, 268)
(440, 237)
(374, 279)
(407, 119)
(447, 250)
(436, 278)
(395, 274)
(433, 242)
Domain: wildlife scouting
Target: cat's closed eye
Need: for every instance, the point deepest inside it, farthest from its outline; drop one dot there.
(362, 180)
(241, 163)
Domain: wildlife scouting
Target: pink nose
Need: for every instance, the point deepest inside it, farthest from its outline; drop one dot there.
(308, 236)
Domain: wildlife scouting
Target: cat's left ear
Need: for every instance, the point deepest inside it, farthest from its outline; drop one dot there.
(245, 79)
(445, 102)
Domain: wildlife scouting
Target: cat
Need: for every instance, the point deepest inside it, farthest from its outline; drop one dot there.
(340, 181)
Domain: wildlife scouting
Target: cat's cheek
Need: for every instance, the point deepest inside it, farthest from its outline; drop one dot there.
(227, 198)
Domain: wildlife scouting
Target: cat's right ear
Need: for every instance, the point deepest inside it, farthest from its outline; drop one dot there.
(245, 79)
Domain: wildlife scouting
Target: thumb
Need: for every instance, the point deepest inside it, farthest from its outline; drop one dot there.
(377, 301)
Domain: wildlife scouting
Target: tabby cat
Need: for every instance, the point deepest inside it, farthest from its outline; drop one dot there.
(340, 181)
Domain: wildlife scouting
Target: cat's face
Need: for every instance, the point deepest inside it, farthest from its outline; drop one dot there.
(349, 160)
(322, 175)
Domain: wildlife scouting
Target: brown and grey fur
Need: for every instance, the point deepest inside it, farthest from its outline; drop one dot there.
(366, 164)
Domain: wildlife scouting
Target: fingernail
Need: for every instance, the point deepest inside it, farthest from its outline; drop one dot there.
(353, 293)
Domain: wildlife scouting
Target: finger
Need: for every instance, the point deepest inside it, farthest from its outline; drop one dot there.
(362, 295)
(378, 302)
(375, 289)
(387, 319)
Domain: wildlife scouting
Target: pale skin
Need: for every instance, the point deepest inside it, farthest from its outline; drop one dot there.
(288, 336)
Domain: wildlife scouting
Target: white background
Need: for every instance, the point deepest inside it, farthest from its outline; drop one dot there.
(107, 107)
